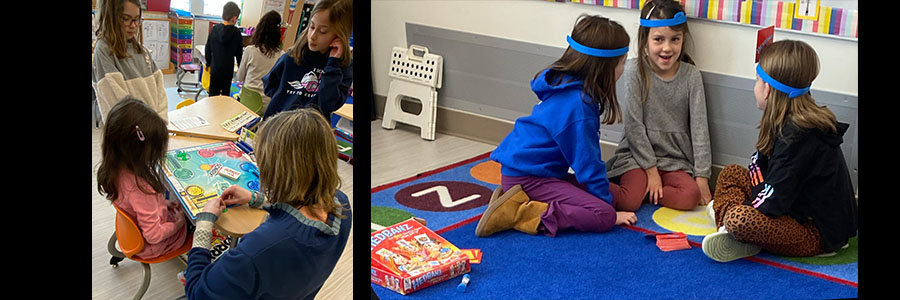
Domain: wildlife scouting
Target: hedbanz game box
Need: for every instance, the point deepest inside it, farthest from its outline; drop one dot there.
(407, 257)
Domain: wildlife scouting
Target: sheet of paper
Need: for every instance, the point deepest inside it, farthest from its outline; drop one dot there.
(190, 122)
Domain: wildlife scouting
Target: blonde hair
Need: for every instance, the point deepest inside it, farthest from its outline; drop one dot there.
(340, 14)
(793, 63)
(297, 157)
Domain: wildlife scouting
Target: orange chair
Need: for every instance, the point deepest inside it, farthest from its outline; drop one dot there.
(131, 241)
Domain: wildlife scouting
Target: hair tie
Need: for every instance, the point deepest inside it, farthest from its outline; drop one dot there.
(594, 51)
(679, 18)
(791, 91)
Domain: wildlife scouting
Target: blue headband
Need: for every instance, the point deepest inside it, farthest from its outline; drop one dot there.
(679, 18)
(791, 91)
(594, 51)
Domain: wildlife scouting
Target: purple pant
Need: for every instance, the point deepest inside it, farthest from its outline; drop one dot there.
(571, 206)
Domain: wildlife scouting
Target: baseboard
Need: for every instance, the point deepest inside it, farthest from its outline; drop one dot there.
(456, 122)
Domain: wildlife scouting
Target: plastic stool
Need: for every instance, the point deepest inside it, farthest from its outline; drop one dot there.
(415, 76)
(425, 120)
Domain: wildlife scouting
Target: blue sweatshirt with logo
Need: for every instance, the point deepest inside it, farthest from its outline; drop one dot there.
(319, 80)
(562, 131)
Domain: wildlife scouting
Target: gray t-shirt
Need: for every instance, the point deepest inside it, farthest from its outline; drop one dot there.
(669, 130)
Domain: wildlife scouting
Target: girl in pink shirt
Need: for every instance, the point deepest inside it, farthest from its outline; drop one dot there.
(134, 142)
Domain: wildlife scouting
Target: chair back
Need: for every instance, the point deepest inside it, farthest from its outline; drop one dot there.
(131, 241)
(251, 99)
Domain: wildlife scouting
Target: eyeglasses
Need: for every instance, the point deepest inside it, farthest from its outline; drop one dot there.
(126, 20)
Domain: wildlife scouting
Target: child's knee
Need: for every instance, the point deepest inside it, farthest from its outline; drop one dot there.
(739, 222)
(629, 201)
(733, 173)
(685, 197)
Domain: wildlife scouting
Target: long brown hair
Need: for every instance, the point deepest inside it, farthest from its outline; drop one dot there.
(658, 9)
(795, 64)
(110, 28)
(340, 14)
(297, 157)
(122, 147)
(268, 34)
(598, 72)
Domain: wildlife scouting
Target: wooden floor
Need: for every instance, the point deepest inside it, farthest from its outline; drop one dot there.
(123, 282)
(401, 152)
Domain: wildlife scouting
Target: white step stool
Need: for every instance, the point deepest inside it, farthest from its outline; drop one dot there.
(415, 76)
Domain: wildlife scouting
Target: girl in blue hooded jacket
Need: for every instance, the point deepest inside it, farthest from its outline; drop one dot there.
(537, 194)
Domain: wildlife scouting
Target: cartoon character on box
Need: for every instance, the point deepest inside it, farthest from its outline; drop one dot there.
(409, 249)
(392, 283)
(436, 250)
(387, 257)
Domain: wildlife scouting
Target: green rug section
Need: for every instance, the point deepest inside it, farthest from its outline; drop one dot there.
(387, 216)
(843, 256)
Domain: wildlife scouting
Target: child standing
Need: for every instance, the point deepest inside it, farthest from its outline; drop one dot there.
(223, 46)
(261, 54)
(318, 69)
(290, 255)
(121, 64)
(665, 149)
(796, 199)
(134, 143)
(563, 131)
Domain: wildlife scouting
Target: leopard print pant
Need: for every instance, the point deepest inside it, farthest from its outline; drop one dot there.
(782, 235)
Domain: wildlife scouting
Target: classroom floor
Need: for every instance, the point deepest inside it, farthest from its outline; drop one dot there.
(123, 282)
(392, 151)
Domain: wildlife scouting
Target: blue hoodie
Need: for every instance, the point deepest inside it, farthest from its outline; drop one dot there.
(563, 130)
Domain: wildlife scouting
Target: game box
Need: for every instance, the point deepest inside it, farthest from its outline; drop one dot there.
(407, 257)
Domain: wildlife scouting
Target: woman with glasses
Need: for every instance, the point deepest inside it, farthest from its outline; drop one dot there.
(121, 64)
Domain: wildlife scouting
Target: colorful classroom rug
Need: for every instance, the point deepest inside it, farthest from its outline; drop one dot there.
(622, 263)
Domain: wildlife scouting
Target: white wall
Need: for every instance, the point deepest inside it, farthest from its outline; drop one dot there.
(719, 47)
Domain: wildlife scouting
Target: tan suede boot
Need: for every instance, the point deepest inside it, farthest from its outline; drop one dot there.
(512, 210)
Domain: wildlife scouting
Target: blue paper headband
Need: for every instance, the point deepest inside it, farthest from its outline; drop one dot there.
(791, 91)
(679, 18)
(594, 51)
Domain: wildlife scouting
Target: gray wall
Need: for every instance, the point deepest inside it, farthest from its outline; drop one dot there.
(490, 76)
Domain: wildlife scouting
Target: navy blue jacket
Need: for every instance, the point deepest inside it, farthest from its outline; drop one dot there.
(319, 80)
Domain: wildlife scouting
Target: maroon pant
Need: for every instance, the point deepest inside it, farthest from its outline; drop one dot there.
(680, 190)
(571, 206)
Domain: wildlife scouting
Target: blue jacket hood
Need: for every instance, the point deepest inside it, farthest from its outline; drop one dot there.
(544, 90)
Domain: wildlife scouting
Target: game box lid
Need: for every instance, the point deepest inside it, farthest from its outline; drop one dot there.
(408, 256)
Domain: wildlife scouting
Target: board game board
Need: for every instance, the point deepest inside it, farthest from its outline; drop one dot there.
(197, 174)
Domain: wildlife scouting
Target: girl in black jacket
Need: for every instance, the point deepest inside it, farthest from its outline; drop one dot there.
(796, 198)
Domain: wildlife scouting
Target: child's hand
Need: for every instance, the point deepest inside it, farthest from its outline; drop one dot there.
(625, 217)
(654, 185)
(236, 195)
(337, 48)
(173, 205)
(705, 195)
(214, 206)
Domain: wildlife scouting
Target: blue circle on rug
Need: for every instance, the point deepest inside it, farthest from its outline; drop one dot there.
(443, 196)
